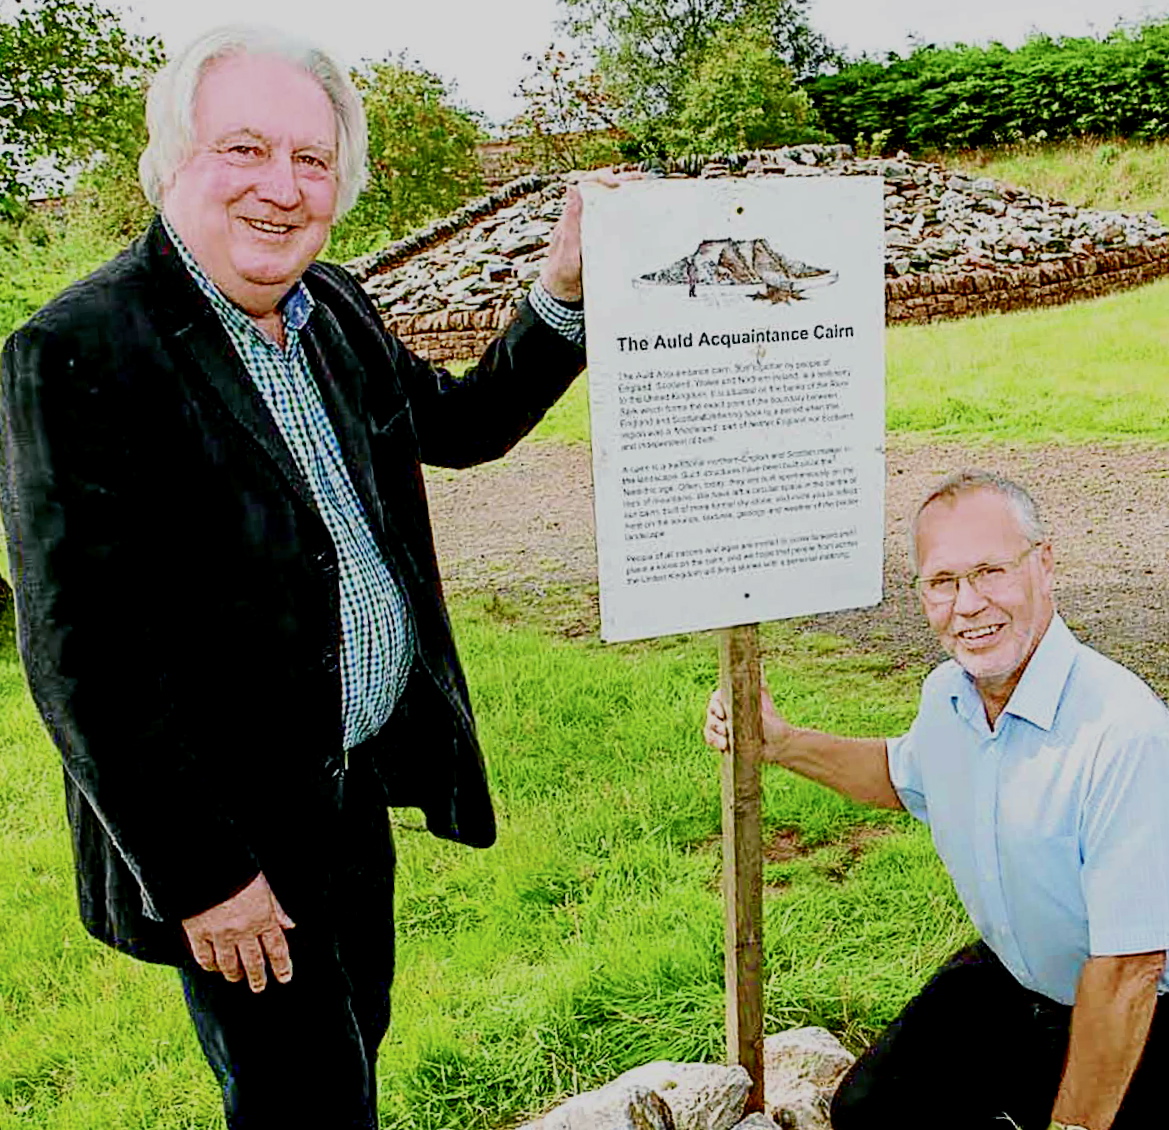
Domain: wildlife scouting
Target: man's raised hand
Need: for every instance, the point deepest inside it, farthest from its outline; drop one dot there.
(234, 937)
(561, 273)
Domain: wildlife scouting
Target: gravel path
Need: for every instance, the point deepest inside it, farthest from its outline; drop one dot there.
(527, 521)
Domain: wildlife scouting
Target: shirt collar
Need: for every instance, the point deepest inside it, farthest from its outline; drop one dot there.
(295, 306)
(1036, 697)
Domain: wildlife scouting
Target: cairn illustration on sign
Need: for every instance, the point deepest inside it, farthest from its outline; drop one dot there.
(747, 263)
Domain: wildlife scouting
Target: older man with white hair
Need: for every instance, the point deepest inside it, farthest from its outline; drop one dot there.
(1042, 769)
(228, 602)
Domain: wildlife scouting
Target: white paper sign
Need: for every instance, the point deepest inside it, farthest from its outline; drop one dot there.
(736, 381)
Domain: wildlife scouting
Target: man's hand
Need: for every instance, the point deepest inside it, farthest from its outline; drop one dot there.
(776, 729)
(234, 936)
(560, 275)
(856, 767)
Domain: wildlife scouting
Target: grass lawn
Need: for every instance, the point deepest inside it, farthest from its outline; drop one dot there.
(587, 941)
(1117, 175)
(1087, 372)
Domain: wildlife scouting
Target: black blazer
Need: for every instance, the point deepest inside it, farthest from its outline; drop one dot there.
(176, 589)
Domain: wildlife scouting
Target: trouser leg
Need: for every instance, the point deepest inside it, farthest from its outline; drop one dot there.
(305, 1053)
(971, 1047)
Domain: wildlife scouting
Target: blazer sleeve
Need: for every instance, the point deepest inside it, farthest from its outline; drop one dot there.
(98, 649)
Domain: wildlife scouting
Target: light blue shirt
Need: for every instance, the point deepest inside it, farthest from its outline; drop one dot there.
(1054, 826)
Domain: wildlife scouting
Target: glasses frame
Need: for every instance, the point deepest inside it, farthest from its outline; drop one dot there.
(973, 577)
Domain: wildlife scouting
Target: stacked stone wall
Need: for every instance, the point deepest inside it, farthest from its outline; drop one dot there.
(931, 297)
(927, 297)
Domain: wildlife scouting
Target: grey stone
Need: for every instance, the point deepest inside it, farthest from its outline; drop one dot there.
(757, 1121)
(934, 220)
(801, 1070)
(701, 1096)
(610, 1108)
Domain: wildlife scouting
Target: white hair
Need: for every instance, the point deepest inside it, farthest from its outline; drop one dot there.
(170, 105)
(960, 482)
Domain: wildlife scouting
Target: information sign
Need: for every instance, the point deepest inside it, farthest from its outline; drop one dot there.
(736, 380)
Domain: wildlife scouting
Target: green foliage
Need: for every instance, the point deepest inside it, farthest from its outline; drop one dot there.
(40, 256)
(568, 121)
(71, 82)
(649, 53)
(1048, 89)
(739, 96)
(421, 156)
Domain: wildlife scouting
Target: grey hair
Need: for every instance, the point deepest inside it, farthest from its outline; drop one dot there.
(960, 482)
(170, 105)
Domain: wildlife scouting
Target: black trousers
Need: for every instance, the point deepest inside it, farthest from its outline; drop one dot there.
(974, 1046)
(304, 1053)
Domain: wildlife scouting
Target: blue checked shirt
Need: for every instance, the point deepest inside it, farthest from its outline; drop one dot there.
(377, 642)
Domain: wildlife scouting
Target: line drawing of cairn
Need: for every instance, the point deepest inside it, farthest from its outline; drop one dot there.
(742, 263)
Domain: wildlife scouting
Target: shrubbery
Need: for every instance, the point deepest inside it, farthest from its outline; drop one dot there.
(1047, 90)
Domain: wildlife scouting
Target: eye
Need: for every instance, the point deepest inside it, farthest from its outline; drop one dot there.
(245, 149)
(940, 584)
(990, 572)
(312, 161)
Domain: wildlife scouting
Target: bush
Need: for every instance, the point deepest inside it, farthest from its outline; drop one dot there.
(965, 97)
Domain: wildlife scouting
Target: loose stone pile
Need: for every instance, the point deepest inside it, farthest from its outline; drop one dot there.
(489, 263)
(801, 1070)
(936, 222)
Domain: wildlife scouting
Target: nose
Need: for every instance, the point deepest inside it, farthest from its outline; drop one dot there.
(968, 600)
(277, 183)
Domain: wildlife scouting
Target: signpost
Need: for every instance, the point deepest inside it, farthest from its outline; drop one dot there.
(736, 379)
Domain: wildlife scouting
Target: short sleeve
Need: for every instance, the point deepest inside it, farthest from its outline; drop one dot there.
(905, 773)
(1124, 846)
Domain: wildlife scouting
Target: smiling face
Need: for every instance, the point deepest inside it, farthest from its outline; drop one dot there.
(255, 200)
(992, 638)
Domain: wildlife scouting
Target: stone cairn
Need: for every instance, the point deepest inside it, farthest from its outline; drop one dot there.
(801, 1070)
(955, 245)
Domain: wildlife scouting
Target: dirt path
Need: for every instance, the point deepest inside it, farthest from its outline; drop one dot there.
(527, 522)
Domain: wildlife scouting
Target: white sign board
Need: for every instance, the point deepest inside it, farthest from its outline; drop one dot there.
(736, 382)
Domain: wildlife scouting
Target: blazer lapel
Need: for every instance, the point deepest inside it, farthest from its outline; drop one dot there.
(210, 357)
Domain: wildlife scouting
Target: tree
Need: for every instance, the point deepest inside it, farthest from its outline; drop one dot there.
(421, 155)
(71, 86)
(739, 96)
(647, 49)
(568, 121)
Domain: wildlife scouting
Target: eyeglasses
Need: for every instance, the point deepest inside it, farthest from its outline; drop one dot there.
(990, 580)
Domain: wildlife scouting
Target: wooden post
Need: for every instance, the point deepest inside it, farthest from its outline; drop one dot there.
(743, 855)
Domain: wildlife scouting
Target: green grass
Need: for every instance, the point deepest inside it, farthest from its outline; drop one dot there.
(1119, 175)
(587, 941)
(1087, 372)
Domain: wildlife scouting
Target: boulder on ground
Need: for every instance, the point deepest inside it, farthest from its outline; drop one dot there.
(801, 1070)
(701, 1096)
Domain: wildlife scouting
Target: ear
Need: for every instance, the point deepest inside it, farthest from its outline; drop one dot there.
(1045, 556)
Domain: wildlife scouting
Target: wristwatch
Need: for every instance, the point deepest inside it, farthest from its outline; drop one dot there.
(1056, 1125)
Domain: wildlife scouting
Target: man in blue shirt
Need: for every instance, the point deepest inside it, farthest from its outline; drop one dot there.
(1042, 769)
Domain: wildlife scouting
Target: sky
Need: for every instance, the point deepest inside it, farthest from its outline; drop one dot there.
(480, 44)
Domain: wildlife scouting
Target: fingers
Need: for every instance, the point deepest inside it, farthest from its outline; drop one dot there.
(203, 952)
(254, 968)
(715, 730)
(276, 947)
(227, 960)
